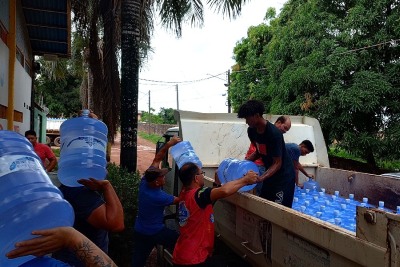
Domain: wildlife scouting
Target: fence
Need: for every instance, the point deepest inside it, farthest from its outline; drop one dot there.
(152, 128)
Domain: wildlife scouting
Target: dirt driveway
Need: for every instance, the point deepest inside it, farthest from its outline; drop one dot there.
(146, 152)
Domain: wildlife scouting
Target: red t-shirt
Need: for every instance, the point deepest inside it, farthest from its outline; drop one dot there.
(251, 150)
(44, 152)
(196, 220)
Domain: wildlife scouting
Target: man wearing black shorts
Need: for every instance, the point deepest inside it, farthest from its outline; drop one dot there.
(279, 177)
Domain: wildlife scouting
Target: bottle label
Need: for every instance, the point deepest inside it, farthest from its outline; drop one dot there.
(85, 142)
(15, 163)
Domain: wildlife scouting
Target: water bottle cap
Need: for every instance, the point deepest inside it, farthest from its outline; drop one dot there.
(365, 199)
(343, 206)
(315, 198)
(85, 113)
(336, 212)
(303, 195)
(296, 199)
(322, 207)
(323, 190)
(327, 203)
(321, 194)
(348, 200)
(362, 204)
(318, 214)
(337, 193)
(307, 203)
(307, 190)
(381, 203)
(351, 196)
(398, 209)
(303, 208)
(338, 221)
(334, 197)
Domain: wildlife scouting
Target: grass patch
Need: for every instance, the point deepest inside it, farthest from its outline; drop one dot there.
(56, 152)
(151, 137)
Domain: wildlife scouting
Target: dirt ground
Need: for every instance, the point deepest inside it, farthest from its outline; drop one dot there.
(146, 152)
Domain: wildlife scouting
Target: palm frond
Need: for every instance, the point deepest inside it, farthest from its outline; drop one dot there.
(229, 8)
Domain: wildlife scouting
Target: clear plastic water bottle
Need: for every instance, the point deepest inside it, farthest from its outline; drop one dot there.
(183, 152)
(381, 206)
(83, 150)
(398, 210)
(28, 199)
(231, 169)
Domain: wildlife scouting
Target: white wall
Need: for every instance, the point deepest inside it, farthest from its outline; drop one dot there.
(22, 97)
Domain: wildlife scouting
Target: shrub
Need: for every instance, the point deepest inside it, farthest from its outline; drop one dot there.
(126, 185)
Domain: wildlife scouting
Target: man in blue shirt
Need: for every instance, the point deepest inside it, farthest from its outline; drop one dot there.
(295, 151)
(149, 229)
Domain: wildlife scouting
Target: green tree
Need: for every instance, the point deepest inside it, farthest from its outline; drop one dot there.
(152, 118)
(334, 61)
(167, 115)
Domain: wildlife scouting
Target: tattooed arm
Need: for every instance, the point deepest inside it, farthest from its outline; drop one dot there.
(51, 240)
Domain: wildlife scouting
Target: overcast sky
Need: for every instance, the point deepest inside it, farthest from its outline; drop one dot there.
(199, 54)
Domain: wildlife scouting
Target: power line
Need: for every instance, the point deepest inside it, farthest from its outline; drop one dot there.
(394, 42)
(183, 82)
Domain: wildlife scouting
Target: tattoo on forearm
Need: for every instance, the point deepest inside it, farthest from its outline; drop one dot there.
(91, 257)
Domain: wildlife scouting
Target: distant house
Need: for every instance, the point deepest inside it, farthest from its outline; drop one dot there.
(28, 28)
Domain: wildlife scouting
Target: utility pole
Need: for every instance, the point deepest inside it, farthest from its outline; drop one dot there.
(149, 119)
(228, 95)
(177, 97)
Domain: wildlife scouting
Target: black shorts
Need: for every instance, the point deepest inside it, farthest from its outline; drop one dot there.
(278, 191)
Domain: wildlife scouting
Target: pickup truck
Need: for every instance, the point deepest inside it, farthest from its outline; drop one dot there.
(268, 234)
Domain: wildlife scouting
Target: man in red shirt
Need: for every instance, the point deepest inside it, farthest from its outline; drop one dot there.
(196, 216)
(43, 151)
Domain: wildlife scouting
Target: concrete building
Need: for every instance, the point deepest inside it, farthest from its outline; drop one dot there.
(29, 28)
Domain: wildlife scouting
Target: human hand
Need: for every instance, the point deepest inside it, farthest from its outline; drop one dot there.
(174, 140)
(251, 177)
(311, 176)
(48, 241)
(93, 184)
(300, 185)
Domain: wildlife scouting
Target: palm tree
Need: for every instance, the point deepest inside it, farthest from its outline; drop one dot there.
(136, 26)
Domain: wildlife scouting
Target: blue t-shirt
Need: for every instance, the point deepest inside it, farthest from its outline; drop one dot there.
(152, 201)
(84, 201)
(293, 151)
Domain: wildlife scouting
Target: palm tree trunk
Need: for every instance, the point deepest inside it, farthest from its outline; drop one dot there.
(130, 13)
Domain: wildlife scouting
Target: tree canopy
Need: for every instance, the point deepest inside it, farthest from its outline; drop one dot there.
(337, 61)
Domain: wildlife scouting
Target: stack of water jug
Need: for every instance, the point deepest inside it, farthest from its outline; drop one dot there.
(28, 199)
(83, 150)
(312, 200)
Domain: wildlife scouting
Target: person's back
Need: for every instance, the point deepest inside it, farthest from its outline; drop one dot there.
(196, 221)
(84, 201)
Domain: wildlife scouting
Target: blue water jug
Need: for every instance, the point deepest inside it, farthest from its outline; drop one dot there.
(83, 150)
(28, 199)
(183, 152)
(231, 169)
(312, 185)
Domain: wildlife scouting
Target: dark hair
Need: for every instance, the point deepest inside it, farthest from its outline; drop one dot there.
(30, 132)
(187, 173)
(308, 145)
(250, 108)
(281, 119)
